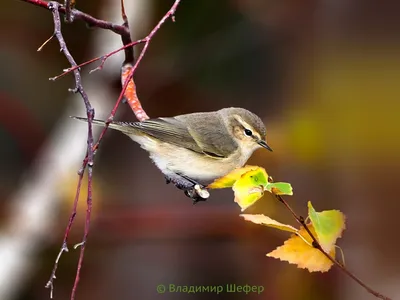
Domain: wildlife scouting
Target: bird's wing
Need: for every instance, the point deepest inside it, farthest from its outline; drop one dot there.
(210, 133)
(178, 132)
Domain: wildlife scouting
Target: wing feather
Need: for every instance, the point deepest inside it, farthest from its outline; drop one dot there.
(190, 132)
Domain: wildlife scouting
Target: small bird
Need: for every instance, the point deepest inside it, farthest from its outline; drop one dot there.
(199, 147)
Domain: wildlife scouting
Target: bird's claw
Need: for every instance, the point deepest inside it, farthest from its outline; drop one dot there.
(197, 193)
(194, 190)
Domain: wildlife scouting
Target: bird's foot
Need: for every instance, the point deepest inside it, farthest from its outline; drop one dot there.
(197, 193)
(191, 188)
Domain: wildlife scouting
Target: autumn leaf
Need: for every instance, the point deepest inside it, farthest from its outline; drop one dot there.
(255, 177)
(328, 224)
(299, 250)
(229, 179)
(279, 188)
(267, 221)
(246, 196)
(250, 187)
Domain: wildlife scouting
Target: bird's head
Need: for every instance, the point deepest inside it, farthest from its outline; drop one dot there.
(247, 129)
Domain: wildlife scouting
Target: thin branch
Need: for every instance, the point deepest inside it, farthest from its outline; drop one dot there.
(127, 46)
(45, 43)
(129, 67)
(129, 57)
(64, 247)
(123, 14)
(68, 16)
(129, 76)
(170, 13)
(54, 7)
(75, 68)
(103, 59)
(318, 246)
(127, 70)
(88, 19)
(126, 40)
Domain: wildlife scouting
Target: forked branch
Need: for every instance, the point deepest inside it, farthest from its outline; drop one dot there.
(54, 8)
(128, 92)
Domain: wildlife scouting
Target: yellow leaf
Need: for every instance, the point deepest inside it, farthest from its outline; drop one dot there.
(250, 187)
(296, 251)
(229, 179)
(328, 225)
(267, 221)
(245, 196)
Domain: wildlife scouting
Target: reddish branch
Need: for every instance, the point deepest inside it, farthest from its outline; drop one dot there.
(103, 59)
(127, 69)
(128, 92)
(129, 76)
(132, 98)
(54, 7)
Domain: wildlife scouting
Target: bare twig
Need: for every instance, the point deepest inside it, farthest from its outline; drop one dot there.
(129, 56)
(68, 16)
(88, 19)
(103, 59)
(128, 44)
(170, 13)
(54, 7)
(129, 76)
(128, 71)
(126, 39)
(88, 161)
(64, 247)
(128, 68)
(318, 246)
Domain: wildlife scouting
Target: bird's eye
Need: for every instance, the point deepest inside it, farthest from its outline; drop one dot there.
(248, 132)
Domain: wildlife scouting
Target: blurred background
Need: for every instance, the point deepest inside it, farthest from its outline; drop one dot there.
(323, 75)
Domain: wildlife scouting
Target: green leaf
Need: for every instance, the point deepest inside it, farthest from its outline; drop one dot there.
(279, 188)
(328, 224)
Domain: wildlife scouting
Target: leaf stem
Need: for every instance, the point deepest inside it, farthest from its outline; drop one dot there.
(317, 245)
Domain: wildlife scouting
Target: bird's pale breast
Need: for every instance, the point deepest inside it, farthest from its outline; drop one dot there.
(171, 159)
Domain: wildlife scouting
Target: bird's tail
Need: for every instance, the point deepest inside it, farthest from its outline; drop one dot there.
(112, 125)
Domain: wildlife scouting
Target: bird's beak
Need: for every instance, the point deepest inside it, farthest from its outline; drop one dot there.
(264, 145)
